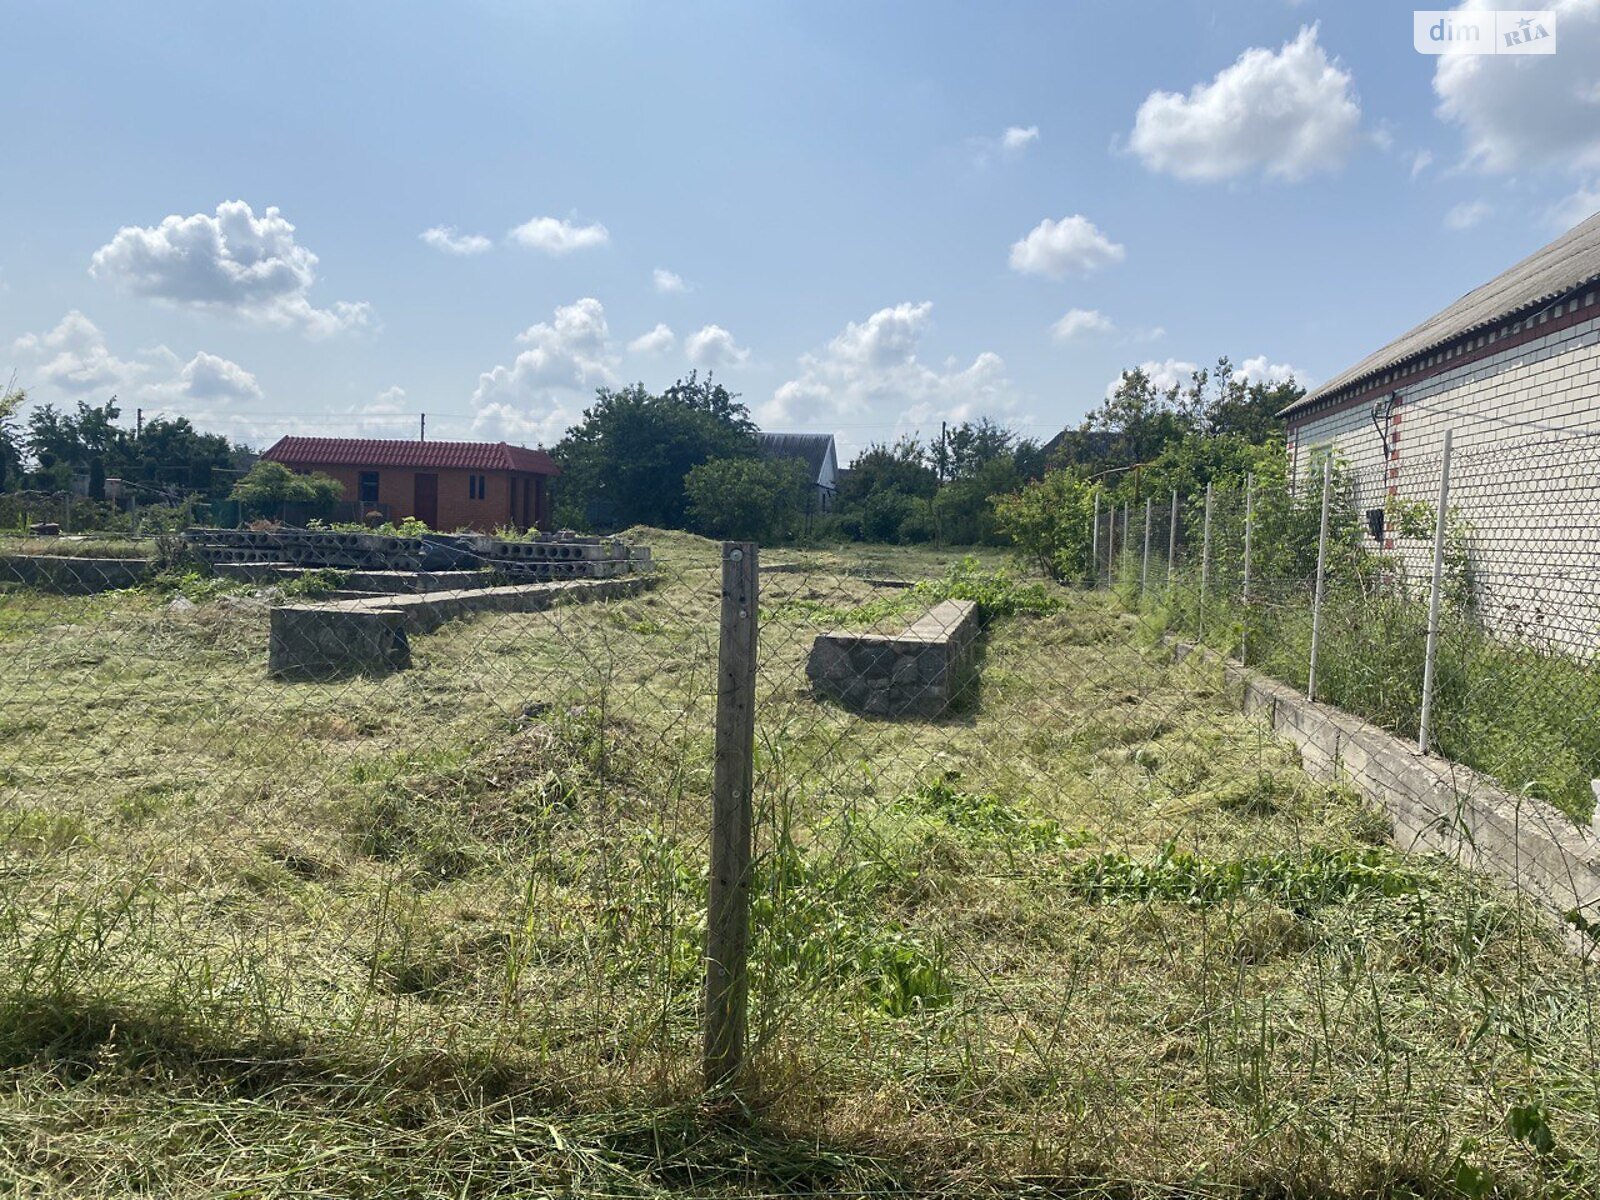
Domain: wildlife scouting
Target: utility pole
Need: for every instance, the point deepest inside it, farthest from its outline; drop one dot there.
(422, 434)
(944, 449)
(138, 423)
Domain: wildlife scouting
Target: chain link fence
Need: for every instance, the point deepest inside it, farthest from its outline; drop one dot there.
(325, 877)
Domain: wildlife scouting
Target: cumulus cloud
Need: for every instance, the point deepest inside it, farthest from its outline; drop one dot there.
(1176, 372)
(1262, 370)
(554, 236)
(1017, 139)
(713, 346)
(73, 358)
(873, 366)
(211, 379)
(1468, 213)
(1081, 322)
(445, 237)
(1012, 143)
(668, 282)
(543, 389)
(232, 262)
(1072, 245)
(1287, 113)
(1519, 111)
(1171, 372)
(657, 341)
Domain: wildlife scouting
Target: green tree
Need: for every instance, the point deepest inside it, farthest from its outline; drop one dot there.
(12, 399)
(269, 486)
(626, 461)
(747, 499)
(1049, 520)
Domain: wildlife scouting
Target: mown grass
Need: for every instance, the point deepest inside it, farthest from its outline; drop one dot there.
(1518, 711)
(439, 933)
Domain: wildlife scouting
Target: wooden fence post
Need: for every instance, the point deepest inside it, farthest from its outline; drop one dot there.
(728, 894)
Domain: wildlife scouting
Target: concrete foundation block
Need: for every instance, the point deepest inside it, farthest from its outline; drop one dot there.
(327, 642)
(919, 672)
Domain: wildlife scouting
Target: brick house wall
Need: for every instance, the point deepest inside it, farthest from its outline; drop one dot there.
(501, 504)
(480, 486)
(1523, 402)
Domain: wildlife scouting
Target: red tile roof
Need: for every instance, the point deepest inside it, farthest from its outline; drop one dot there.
(388, 452)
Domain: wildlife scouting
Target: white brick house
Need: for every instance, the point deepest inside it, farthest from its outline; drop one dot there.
(1513, 368)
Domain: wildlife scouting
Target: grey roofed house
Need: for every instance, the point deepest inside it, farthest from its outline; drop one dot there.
(818, 453)
(1568, 264)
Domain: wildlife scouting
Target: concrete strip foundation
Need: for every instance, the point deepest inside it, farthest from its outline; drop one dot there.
(1437, 805)
(918, 672)
(72, 575)
(370, 636)
(388, 583)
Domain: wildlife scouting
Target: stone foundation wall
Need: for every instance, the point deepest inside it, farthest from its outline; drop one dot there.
(919, 672)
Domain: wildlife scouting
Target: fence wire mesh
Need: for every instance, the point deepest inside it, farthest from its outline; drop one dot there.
(355, 879)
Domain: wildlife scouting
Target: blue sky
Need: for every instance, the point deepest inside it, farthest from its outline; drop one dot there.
(223, 211)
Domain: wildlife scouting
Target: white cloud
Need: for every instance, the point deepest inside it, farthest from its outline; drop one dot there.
(1288, 114)
(1057, 249)
(1176, 372)
(1171, 372)
(1467, 214)
(668, 282)
(1079, 322)
(73, 357)
(872, 368)
(885, 339)
(445, 237)
(1420, 162)
(234, 262)
(1010, 145)
(544, 388)
(1261, 370)
(657, 341)
(713, 346)
(1519, 111)
(1579, 206)
(210, 379)
(554, 236)
(1017, 139)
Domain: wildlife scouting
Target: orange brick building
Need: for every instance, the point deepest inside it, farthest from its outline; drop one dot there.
(446, 485)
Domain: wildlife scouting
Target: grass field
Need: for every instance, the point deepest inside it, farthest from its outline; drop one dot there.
(438, 934)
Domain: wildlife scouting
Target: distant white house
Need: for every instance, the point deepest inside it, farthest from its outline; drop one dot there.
(1513, 370)
(818, 453)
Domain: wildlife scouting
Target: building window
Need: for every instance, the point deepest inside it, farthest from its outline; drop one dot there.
(477, 487)
(368, 492)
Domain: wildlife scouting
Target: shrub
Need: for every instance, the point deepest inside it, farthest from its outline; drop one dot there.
(746, 499)
(1050, 521)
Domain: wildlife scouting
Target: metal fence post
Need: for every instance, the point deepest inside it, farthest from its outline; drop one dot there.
(1172, 541)
(1144, 569)
(1094, 543)
(1322, 573)
(1127, 513)
(1249, 533)
(1428, 662)
(733, 780)
(1205, 568)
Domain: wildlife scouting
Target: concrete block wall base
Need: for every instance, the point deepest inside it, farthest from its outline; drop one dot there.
(314, 642)
(918, 672)
(370, 635)
(74, 576)
(1437, 805)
